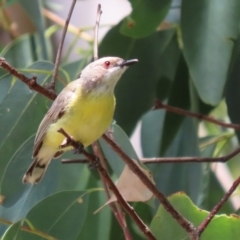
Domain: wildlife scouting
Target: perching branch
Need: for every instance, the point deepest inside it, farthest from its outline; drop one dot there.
(188, 226)
(160, 105)
(59, 52)
(95, 49)
(93, 159)
(31, 82)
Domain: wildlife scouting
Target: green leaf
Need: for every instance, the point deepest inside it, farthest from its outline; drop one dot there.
(206, 171)
(17, 110)
(168, 68)
(140, 79)
(60, 215)
(19, 47)
(179, 97)
(34, 10)
(165, 227)
(12, 232)
(145, 17)
(19, 197)
(172, 177)
(151, 132)
(233, 86)
(5, 84)
(208, 31)
(97, 226)
(216, 192)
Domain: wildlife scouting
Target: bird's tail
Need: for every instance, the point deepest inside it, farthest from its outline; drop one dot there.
(36, 170)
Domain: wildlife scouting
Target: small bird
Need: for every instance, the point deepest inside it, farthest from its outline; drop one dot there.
(84, 109)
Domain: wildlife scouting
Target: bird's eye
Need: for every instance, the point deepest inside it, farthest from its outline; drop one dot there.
(106, 64)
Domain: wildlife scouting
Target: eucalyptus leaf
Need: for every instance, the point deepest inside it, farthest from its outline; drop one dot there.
(145, 17)
(165, 227)
(209, 29)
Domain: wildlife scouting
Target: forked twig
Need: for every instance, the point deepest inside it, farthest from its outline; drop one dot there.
(92, 159)
(188, 226)
(116, 207)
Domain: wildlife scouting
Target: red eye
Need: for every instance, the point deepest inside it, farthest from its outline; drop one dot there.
(107, 64)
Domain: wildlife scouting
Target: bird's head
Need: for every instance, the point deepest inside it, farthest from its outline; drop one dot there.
(103, 74)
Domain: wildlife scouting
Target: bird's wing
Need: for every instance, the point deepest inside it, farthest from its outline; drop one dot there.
(54, 113)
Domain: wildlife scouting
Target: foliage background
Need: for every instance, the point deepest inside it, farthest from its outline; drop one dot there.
(192, 64)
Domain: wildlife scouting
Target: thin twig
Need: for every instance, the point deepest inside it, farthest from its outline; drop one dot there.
(95, 49)
(59, 52)
(29, 230)
(117, 211)
(211, 215)
(188, 226)
(191, 159)
(31, 82)
(92, 158)
(160, 105)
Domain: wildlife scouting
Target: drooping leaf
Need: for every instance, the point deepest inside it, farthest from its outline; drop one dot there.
(233, 86)
(131, 187)
(168, 68)
(178, 97)
(208, 31)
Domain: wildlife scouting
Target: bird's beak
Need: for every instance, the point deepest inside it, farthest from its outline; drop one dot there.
(127, 63)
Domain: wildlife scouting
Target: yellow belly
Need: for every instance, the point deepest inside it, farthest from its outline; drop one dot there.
(86, 119)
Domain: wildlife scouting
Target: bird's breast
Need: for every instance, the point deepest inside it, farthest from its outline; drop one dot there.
(89, 117)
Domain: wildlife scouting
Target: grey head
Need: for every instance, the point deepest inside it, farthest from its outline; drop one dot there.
(103, 74)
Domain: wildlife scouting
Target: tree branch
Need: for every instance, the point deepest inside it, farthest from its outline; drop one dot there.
(31, 82)
(92, 159)
(211, 215)
(160, 105)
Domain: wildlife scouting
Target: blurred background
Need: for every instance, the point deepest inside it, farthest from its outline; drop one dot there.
(189, 58)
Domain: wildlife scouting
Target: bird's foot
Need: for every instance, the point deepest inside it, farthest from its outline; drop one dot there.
(78, 148)
(95, 163)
